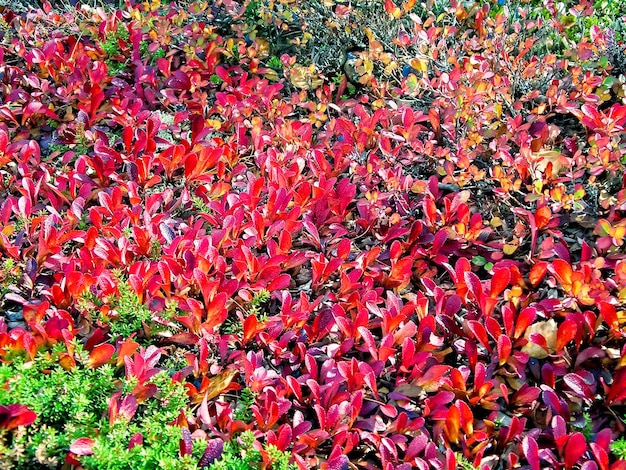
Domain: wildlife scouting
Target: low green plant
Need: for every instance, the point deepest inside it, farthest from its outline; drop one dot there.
(68, 403)
(10, 273)
(131, 314)
(159, 447)
(75, 403)
(257, 307)
(275, 63)
(111, 47)
(243, 410)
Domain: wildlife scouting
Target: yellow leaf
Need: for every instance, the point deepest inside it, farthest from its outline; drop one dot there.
(379, 103)
(263, 46)
(305, 78)
(509, 248)
(271, 75)
(219, 383)
(368, 65)
(496, 222)
(420, 64)
(8, 230)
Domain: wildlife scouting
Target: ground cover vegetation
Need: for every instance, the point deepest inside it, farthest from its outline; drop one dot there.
(322, 234)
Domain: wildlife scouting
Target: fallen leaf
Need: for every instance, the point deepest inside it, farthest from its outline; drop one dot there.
(219, 383)
(547, 329)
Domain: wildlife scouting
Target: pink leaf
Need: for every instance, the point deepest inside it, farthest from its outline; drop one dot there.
(82, 446)
(531, 452)
(578, 385)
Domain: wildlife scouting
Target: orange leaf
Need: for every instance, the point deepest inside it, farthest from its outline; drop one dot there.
(453, 424)
(392, 9)
(408, 5)
(563, 272)
(537, 273)
(100, 355)
(542, 216)
(127, 348)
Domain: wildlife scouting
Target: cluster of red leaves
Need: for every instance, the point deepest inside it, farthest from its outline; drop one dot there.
(385, 339)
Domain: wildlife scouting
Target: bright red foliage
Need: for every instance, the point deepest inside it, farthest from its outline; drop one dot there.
(427, 300)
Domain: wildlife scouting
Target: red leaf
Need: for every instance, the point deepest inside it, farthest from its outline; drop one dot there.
(135, 440)
(13, 416)
(467, 417)
(499, 282)
(82, 446)
(474, 285)
(524, 319)
(340, 463)
(389, 410)
(617, 392)
(566, 332)
(526, 395)
(30, 345)
(216, 311)
(504, 349)
(479, 332)
(609, 315)
(600, 455)
(281, 282)
(591, 116)
(186, 338)
(128, 407)
(433, 378)
(574, 449)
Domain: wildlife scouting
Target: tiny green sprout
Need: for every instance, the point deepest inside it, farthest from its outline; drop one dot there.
(618, 448)
(261, 297)
(275, 63)
(216, 80)
(463, 463)
(479, 261)
(8, 264)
